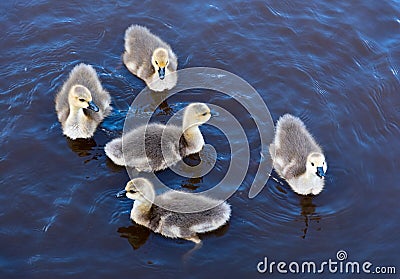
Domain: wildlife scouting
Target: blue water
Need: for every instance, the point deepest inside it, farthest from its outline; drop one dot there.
(335, 64)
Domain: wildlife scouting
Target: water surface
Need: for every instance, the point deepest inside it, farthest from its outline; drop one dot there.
(335, 64)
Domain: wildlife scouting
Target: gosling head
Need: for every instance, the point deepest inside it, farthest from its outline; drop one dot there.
(316, 164)
(160, 61)
(80, 97)
(139, 189)
(196, 114)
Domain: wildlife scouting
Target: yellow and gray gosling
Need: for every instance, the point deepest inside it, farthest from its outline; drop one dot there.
(143, 149)
(297, 157)
(82, 103)
(150, 58)
(151, 210)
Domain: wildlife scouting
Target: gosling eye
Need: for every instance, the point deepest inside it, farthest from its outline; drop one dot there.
(156, 62)
(82, 100)
(204, 114)
(132, 191)
(167, 63)
(312, 164)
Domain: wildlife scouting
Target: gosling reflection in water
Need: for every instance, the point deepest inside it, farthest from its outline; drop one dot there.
(308, 212)
(137, 235)
(165, 109)
(306, 203)
(192, 183)
(157, 102)
(84, 148)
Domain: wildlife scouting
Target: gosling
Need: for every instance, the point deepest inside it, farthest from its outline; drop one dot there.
(150, 58)
(153, 211)
(156, 147)
(297, 157)
(82, 103)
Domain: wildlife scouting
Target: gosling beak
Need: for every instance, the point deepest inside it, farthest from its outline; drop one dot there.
(320, 172)
(161, 73)
(121, 194)
(93, 106)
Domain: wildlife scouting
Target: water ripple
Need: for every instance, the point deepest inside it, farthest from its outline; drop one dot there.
(335, 65)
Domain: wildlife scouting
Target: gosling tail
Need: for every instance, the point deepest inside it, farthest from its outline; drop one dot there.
(113, 150)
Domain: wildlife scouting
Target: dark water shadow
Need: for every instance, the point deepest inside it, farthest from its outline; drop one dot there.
(154, 101)
(308, 212)
(165, 109)
(82, 147)
(137, 235)
(221, 231)
(114, 167)
(192, 183)
(203, 236)
(192, 159)
(307, 207)
(85, 148)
